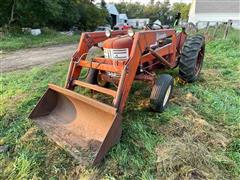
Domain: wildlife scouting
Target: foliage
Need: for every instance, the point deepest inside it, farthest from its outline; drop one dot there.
(183, 8)
(133, 10)
(154, 10)
(60, 14)
(91, 16)
(212, 103)
(161, 11)
(64, 14)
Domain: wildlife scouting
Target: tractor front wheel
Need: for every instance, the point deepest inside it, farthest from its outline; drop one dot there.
(93, 77)
(191, 60)
(161, 92)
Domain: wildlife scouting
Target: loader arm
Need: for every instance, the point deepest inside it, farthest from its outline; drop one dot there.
(141, 42)
(87, 41)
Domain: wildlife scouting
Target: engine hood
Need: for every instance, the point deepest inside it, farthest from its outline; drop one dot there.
(119, 42)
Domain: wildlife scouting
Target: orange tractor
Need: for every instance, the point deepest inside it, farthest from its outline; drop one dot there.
(88, 128)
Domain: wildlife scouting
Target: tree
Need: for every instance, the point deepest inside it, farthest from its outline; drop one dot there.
(105, 12)
(12, 12)
(165, 13)
(132, 10)
(153, 10)
(58, 14)
(91, 16)
(5, 11)
(183, 8)
(37, 13)
(103, 4)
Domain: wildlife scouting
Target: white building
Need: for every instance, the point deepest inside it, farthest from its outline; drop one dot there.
(203, 11)
(123, 18)
(112, 10)
(138, 23)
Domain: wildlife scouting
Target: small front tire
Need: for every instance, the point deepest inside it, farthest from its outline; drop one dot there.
(161, 92)
(93, 77)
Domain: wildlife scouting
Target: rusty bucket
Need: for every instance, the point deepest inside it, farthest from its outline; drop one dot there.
(83, 126)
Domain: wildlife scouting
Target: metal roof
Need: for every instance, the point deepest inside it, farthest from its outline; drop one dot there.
(112, 9)
(217, 6)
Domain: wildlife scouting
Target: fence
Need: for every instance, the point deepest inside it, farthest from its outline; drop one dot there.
(219, 29)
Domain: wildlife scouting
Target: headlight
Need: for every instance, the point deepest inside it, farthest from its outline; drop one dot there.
(108, 32)
(131, 32)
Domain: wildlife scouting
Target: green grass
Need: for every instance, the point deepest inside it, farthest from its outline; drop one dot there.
(20, 41)
(214, 99)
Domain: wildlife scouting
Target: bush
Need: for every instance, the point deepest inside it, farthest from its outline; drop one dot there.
(49, 31)
(12, 30)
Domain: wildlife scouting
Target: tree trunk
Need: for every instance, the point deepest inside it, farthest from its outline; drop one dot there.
(12, 12)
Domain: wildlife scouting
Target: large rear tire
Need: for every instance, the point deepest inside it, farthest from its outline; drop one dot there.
(191, 60)
(161, 92)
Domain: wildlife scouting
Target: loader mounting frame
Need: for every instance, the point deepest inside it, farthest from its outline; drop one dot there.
(166, 55)
(84, 126)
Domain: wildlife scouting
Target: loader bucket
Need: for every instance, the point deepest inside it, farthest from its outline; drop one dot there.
(83, 126)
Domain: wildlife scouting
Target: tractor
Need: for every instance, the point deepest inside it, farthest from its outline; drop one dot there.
(86, 127)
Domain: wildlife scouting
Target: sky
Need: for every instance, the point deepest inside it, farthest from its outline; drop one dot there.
(147, 1)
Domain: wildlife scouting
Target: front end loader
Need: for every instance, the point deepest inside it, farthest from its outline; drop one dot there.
(88, 128)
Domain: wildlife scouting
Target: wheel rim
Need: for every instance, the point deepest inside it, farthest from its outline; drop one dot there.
(199, 61)
(167, 95)
(101, 81)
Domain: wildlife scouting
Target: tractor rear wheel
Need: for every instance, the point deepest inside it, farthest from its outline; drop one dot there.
(94, 78)
(161, 92)
(191, 60)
